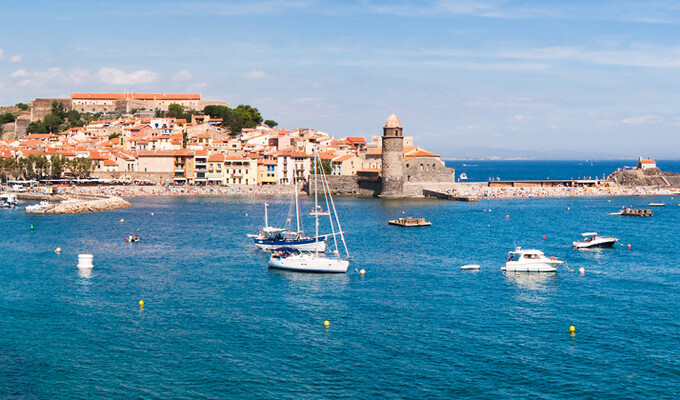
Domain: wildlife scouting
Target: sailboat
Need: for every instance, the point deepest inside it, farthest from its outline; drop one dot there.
(271, 238)
(317, 260)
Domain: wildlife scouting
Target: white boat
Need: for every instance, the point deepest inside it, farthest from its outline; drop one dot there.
(42, 206)
(307, 261)
(463, 176)
(8, 200)
(530, 261)
(656, 204)
(272, 238)
(317, 260)
(470, 267)
(592, 241)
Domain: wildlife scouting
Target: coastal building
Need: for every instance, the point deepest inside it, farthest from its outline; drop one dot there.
(347, 164)
(644, 164)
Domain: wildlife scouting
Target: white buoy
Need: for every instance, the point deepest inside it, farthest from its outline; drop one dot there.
(122, 220)
(582, 270)
(85, 260)
(470, 267)
(57, 250)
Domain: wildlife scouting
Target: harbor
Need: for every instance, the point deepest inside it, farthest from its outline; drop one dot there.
(209, 298)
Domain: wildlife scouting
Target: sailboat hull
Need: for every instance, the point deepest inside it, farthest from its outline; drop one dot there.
(309, 263)
(303, 244)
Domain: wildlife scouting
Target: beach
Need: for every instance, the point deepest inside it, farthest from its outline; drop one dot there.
(481, 190)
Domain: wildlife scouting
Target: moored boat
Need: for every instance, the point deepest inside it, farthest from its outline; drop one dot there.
(317, 260)
(521, 260)
(409, 222)
(592, 240)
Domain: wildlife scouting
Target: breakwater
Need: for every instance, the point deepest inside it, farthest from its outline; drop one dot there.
(83, 204)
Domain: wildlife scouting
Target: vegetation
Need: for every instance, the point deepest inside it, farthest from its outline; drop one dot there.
(22, 106)
(7, 117)
(323, 165)
(235, 120)
(40, 167)
(59, 120)
(271, 123)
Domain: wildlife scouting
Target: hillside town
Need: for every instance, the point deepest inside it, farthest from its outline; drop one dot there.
(198, 150)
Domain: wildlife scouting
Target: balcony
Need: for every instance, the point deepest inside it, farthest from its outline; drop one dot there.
(179, 170)
(201, 169)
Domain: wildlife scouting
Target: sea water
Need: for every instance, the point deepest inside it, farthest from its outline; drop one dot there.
(216, 323)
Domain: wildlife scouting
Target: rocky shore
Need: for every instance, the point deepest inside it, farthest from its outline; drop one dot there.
(83, 204)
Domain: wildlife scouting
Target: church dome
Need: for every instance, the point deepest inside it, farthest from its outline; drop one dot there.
(392, 122)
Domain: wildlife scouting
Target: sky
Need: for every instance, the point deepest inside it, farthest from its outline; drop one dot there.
(538, 79)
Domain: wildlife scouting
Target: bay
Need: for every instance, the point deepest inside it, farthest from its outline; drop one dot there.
(218, 324)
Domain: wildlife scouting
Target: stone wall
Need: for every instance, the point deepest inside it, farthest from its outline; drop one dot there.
(349, 185)
(428, 170)
(164, 178)
(42, 107)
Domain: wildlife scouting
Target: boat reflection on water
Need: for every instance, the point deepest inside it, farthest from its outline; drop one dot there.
(85, 274)
(309, 280)
(538, 281)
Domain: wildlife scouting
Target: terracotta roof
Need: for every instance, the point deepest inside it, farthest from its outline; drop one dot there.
(392, 122)
(135, 96)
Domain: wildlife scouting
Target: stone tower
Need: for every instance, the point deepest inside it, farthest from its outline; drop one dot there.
(392, 159)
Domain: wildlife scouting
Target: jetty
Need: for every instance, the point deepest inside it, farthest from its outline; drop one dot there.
(82, 204)
(448, 196)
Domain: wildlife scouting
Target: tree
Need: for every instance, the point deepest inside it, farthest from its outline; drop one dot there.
(323, 165)
(115, 135)
(73, 115)
(22, 106)
(57, 164)
(7, 117)
(52, 122)
(58, 109)
(175, 111)
(81, 167)
(270, 123)
(36, 127)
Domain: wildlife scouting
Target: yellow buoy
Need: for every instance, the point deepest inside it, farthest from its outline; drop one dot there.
(572, 329)
(246, 214)
(326, 324)
(404, 212)
(568, 208)
(141, 303)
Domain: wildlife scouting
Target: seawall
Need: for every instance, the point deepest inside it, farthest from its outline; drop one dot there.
(84, 204)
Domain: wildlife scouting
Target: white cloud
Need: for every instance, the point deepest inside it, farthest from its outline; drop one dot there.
(15, 58)
(115, 76)
(254, 75)
(49, 77)
(183, 75)
(643, 120)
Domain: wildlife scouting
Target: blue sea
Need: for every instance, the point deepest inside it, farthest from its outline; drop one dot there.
(217, 324)
(483, 170)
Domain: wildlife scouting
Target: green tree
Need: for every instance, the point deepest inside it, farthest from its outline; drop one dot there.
(73, 115)
(52, 122)
(58, 109)
(7, 117)
(41, 166)
(175, 111)
(270, 123)
(81, 167)
(323, 165)
(22, 106)
(57, 164)
(115, 135)
(36, 127)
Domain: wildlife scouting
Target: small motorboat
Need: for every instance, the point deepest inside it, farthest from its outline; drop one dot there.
(132, 239)
(530, 261)
(8, 200)
(592, 240)
(409, 222)
(463, 176)
(470, 267)
(656, 204)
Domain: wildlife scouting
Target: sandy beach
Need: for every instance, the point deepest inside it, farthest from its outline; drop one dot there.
(479, 190)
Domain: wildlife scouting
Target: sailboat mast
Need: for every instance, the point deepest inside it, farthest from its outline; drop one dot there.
(297, 208)
(266, 216)
(316, 202)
